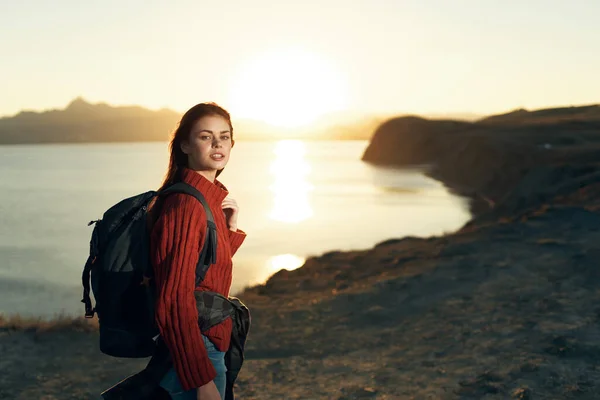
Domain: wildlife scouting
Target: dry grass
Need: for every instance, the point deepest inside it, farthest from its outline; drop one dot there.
(39, 325)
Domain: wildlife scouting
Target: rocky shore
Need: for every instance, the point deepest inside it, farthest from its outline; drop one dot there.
(487, 159)
(506, 307)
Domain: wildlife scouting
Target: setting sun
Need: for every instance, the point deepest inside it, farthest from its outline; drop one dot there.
(288, 88)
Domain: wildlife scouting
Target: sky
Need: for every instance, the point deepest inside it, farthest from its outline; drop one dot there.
(289, 62)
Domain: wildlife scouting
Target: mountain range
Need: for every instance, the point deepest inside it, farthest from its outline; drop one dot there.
(83, 122)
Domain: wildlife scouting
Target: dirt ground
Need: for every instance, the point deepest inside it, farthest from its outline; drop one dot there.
(506, 310)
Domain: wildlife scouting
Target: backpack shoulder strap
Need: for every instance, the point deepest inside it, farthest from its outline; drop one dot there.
(208, 255)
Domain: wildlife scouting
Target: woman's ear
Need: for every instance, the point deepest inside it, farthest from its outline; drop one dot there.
(232, 142)
(184, 146)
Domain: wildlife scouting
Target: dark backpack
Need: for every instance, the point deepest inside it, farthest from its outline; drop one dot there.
(121, 273)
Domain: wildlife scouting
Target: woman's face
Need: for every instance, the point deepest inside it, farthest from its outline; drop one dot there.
(209, 144)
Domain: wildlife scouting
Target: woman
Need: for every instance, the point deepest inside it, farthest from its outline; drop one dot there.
(200, 149)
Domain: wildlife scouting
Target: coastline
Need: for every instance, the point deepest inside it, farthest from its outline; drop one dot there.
(501, 308)
(481, 311)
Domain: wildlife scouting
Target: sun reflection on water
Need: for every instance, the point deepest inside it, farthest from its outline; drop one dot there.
(291, 187)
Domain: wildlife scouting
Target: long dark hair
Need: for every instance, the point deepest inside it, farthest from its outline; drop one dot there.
(178, 158)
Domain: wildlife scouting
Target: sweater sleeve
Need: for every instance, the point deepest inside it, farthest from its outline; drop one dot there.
(177, 239)
(236, 238)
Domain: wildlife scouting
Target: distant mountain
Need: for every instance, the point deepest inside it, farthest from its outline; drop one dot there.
(82, 122)
(547, 115)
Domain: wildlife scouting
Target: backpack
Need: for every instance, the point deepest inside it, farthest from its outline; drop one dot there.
(121, 273)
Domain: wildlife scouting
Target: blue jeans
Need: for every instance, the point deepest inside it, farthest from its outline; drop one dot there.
(171, 383)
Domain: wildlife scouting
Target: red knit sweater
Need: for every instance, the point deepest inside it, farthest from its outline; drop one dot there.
(176, 241)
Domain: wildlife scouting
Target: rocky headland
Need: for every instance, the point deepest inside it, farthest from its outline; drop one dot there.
(505, 307)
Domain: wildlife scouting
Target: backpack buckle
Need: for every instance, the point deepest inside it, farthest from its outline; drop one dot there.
(89, 312)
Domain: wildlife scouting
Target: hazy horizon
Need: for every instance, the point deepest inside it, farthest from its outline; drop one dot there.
(63, 107)
(325, 115)
(289, 64)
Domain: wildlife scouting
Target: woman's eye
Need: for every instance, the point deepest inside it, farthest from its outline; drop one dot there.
(204, 137)
(225, 137)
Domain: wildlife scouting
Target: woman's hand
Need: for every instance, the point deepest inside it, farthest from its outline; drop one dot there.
(208, 392)
(231, 210)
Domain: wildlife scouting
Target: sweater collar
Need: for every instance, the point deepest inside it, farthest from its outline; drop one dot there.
(214, 193)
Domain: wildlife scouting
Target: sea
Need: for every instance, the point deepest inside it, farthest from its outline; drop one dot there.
(297, 199)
